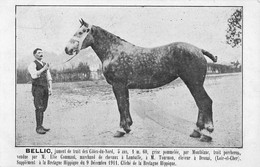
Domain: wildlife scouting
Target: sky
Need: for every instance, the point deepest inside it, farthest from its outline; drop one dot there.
(51, 27)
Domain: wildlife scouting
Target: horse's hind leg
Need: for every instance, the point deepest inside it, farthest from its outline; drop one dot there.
(204, 104)
(122, 97)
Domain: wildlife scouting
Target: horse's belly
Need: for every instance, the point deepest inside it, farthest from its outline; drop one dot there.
(149, 82)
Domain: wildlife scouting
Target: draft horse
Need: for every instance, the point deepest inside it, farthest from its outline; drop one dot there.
(126, 66)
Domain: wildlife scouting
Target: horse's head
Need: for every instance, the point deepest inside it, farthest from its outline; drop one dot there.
(80, 40)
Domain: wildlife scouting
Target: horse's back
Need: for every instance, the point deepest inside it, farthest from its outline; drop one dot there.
(178, 51)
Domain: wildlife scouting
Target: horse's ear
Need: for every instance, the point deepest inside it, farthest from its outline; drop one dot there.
(83, 22)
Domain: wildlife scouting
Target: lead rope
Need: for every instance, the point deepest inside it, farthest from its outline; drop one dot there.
(63, 62)
(80, 41)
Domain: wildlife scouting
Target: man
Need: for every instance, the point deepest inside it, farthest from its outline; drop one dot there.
(41, 87)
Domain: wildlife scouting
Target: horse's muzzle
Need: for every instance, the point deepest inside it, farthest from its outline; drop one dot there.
(70, 51)
(72, 47)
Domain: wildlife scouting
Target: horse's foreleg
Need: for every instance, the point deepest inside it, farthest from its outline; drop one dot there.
(129, 120)
(122, 97)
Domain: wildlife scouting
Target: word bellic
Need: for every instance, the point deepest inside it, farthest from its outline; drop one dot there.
(35, 150)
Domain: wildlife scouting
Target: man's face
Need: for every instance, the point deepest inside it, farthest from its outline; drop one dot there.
(38, 55)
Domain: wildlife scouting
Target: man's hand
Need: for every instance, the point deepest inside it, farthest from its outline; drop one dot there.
(46, 67)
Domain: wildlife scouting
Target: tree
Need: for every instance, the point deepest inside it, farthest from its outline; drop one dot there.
(236, 64)
(83, 68)
(234, 31)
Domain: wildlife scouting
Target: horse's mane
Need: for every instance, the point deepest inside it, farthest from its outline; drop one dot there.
(108, 34)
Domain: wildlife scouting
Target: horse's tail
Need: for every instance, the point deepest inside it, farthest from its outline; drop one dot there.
(209, 55)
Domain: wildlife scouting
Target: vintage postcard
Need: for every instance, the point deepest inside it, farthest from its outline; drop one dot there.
(139, 84)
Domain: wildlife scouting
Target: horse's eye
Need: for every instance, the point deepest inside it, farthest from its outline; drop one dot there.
(84, 30)
(80, 33)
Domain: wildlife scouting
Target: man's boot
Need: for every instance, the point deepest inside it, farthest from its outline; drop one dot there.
(45, 129)
(39, 128)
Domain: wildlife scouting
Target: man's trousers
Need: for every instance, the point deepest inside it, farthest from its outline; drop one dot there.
(41, 96)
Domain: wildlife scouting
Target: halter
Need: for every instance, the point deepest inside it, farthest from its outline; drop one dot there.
(80, 41)
(82, 38)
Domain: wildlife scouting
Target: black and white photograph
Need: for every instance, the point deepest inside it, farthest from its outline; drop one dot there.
(129, 83)
(137, 76)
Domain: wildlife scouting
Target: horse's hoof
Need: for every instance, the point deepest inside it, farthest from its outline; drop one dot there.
(119, 134)
(195, 134)
(205, 138)
(127, 130)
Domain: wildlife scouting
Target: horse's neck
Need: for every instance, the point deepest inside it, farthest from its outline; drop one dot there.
(104, 42)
